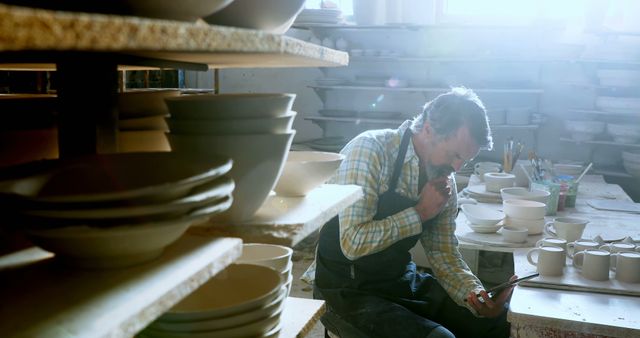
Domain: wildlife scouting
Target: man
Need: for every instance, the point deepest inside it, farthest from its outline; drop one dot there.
(363, 266)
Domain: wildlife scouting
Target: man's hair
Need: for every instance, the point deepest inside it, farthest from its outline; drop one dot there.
(450, 111)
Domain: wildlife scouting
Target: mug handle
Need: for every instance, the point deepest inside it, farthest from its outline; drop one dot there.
(572, 246)
(530, 256)
(578, 259)
(548, 231)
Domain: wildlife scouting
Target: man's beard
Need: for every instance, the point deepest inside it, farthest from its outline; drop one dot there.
(434, 172)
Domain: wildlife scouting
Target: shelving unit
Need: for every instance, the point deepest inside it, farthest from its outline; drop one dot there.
(429, 89)
(42, 298)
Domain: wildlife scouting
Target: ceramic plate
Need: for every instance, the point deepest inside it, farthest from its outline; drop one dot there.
(201, 196)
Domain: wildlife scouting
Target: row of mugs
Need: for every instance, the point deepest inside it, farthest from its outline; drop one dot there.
(594, 264)
(572, 248)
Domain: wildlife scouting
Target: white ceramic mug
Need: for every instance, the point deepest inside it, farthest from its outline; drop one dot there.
(580, 245)
(626, 265)
(618, 247)
(550, 262)
(568, 228)
(482, 168)
(555, 242)
(594, 264)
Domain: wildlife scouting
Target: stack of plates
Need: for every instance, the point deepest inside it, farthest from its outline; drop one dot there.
(479, 193)
(114, 210)
(277, 257)
(243, 300)
(253, 129)
(314, 16)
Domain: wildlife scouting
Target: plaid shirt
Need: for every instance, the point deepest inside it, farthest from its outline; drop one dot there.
(369, 163)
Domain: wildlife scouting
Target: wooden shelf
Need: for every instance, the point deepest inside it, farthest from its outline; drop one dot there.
(288, 220)
(44, 299)
(299, 316)
(398, 121)
(35, 36)
(431, 89)
(606, 143)
(449, 59)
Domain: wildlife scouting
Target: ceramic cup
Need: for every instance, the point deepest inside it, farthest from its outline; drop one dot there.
(618, 247)
(580, 245)
(555, 242)
(482, 168)
(593, 264)
(567, 228)
(550, 260)
(514, 235)
(496, 181)
(626, 265)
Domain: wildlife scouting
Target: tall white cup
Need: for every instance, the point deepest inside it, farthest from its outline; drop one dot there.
(618, 247)
(550, 260)
(556, 242)
(581, 245)
(594, 264)
(626, 265)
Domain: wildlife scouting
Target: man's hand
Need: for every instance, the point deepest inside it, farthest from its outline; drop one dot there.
(433, 197)
(491, 307)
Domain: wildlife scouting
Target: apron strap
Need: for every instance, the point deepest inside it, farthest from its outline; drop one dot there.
(397, 167)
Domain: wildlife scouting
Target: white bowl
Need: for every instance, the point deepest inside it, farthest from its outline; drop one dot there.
(274, 256)
(496, 181)
(519, 193)
(234, 290)
(481, 215)
(229, 106)
(305, 170)
(212, 324)
(257, 163)
(514, 235)
(524, 209)
(268, 15)
(533, 226)
(485, 229)
(132, 177)
(118, 246)
(274, 125)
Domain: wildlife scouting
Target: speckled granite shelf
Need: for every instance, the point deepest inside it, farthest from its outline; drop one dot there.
(37, 30)
(288, 220)
(43, 299)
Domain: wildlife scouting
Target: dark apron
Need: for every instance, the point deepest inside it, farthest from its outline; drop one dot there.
(382, 294)
(390, 273)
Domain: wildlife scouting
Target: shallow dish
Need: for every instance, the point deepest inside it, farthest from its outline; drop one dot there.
(480, 215)
(131, 177)
(119, 246)
(200, 197)
(269, 309)
(305, 170)
(519, 193)
(514, 235)
(275, 125)
(485, 229)
(229, 106)
(232, 291)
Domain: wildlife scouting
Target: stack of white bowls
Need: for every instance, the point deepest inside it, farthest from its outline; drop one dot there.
(253, 129)
(520, 193)
(624, 133)
(114, 210)
(584, 130)
(631, 162)
(277, 257)
(482, 219)
(524, 214)
(494, 182)
(244, 300)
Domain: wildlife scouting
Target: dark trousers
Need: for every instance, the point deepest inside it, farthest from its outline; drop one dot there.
(378, 316)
